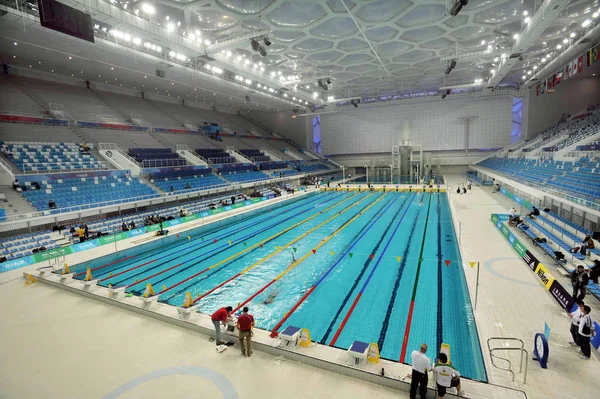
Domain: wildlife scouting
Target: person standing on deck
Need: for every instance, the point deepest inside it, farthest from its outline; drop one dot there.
(586, 331)
(420, 366)
(576, 318)
(220, 316)
(244, 325)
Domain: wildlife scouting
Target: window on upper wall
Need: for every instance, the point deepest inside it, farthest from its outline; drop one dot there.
(517, 119)
(317, 134)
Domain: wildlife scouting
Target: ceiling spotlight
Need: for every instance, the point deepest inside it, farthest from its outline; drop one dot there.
(524, 77)
(573, 34)
(267, 41)
(450, 67)
(525, 13)
(254, 44)
(483, 42)
(527, 19)
(493, 71)
(543, 60)
(586, 23)
(458, 5)
(515, 36)
(565, 41)
(558, 46)
(148, 9)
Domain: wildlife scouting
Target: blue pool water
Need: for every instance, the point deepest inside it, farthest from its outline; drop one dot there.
(342, 264)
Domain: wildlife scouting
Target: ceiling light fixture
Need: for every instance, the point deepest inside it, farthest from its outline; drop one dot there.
(527, 20)
(457, 6)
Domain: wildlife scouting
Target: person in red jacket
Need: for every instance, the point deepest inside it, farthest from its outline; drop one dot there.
(220, 316)
(244, 325)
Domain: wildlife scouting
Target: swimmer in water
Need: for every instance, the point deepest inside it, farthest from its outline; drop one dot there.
(271, 297)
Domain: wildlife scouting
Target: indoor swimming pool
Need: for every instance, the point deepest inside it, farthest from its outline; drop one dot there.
(378, 267)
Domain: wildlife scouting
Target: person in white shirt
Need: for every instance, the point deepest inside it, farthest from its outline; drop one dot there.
(576, 317)
(420, 366)
(511, 216)
(446, 376)
(586, 331)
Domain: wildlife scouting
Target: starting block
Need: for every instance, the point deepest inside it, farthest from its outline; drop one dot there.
(115, 292)
(184, 313)
(290, 335)
(45, 270)
(62, 278)
(358, 351)
(87, 285)
(147, 302)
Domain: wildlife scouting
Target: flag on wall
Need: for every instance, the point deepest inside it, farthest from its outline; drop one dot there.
(593, 55)
(559, 75)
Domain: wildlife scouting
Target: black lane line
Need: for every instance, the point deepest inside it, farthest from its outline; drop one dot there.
(360, 275)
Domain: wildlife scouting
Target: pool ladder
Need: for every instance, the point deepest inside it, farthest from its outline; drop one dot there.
(505, 346)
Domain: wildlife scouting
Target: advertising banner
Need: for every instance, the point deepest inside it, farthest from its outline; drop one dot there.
(50, 254)
(531, 260)
(544, 276)
(561, 295)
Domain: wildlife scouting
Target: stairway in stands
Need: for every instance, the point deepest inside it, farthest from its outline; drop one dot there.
(15, 202)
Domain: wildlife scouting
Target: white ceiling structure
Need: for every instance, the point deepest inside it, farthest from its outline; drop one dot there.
(367, 48)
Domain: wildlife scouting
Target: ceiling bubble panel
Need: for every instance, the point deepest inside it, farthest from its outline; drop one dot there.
(365, 80)
(412, 56)
(286, 36)
(294, 56)
(504, 11)
(468, 32)
(352, 45)
(381, 34)
(211, 20)
(382, 10)
(337, 6)
(247, 7)
(296, 14)
(335, 27)
(423, 34)
(362, 68)
(422, 15)
(437, 44)
(459, 20)
(276, 48)
(344, 76)
(327, 56)
(254, 23)
(330, 68)
(354, 59)
(313, 45)
(392, 48)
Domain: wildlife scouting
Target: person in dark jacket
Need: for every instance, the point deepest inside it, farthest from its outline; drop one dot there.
(580, 280)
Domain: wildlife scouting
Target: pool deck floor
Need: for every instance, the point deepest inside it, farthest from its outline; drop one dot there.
(57, 344)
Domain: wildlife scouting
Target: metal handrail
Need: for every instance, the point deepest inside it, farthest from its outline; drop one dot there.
(520, 349)
(29, 168)
(131, 202)
(6, 166)
(573, 198)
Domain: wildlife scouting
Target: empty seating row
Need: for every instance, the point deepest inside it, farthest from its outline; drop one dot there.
(215, 155)
(156, 157)
(48, 157)
(88, 193)
(189, 183)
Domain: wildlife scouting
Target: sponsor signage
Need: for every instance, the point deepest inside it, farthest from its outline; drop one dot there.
(544, 276)
(531, 260)
(53, 253)
(560, 294)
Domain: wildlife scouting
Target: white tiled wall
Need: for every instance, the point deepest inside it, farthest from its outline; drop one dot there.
(434, 124)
